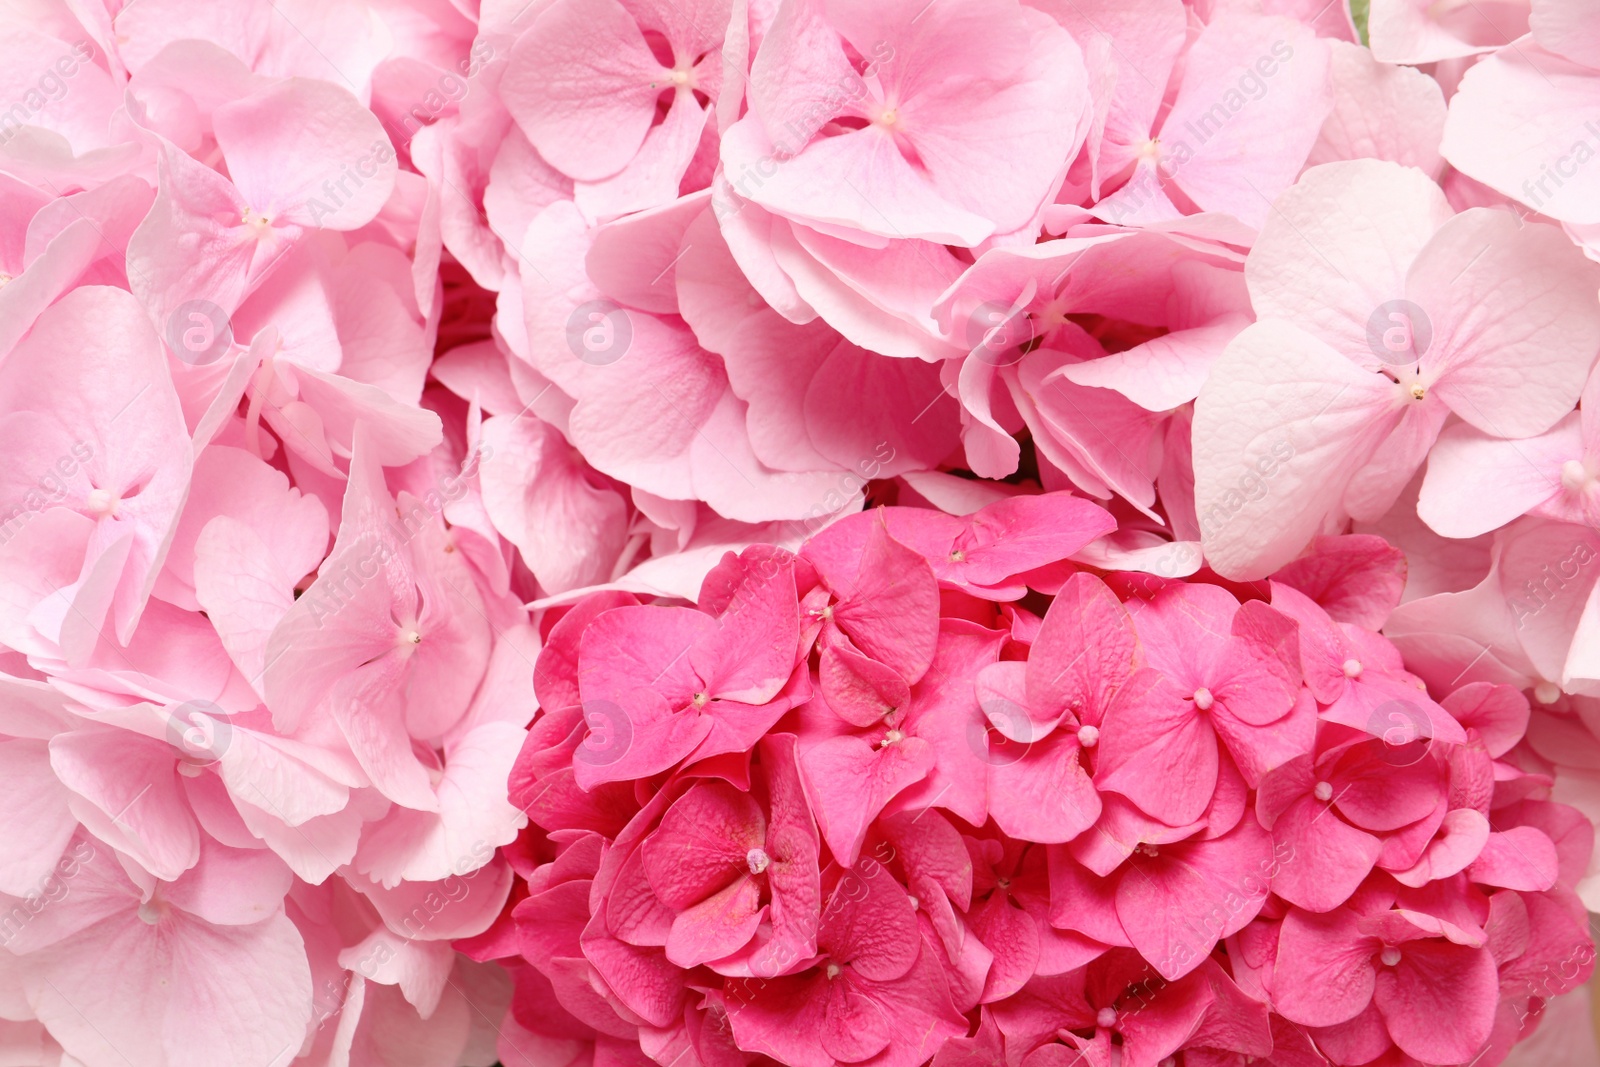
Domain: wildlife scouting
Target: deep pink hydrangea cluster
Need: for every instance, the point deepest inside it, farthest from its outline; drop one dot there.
(929, 791)
(712, 532)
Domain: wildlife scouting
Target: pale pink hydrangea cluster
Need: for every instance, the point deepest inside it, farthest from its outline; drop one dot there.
(447, 615)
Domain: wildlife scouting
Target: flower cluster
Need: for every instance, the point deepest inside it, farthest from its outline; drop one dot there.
(862, 804)
(819, 532)
(261, 683)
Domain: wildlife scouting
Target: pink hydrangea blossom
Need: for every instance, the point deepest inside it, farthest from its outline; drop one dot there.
(732, 533)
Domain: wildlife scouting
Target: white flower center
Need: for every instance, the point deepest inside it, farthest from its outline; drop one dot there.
(103, 502)
(1576, 476)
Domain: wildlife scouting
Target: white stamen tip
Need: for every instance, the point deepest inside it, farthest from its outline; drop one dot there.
(1088, 736)
(1203, 699)
(1323, 791)
(1106, 1019)
(1547, 692)
(758, 860)
(1352, 668)
(102, 502)
(1390, 956)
